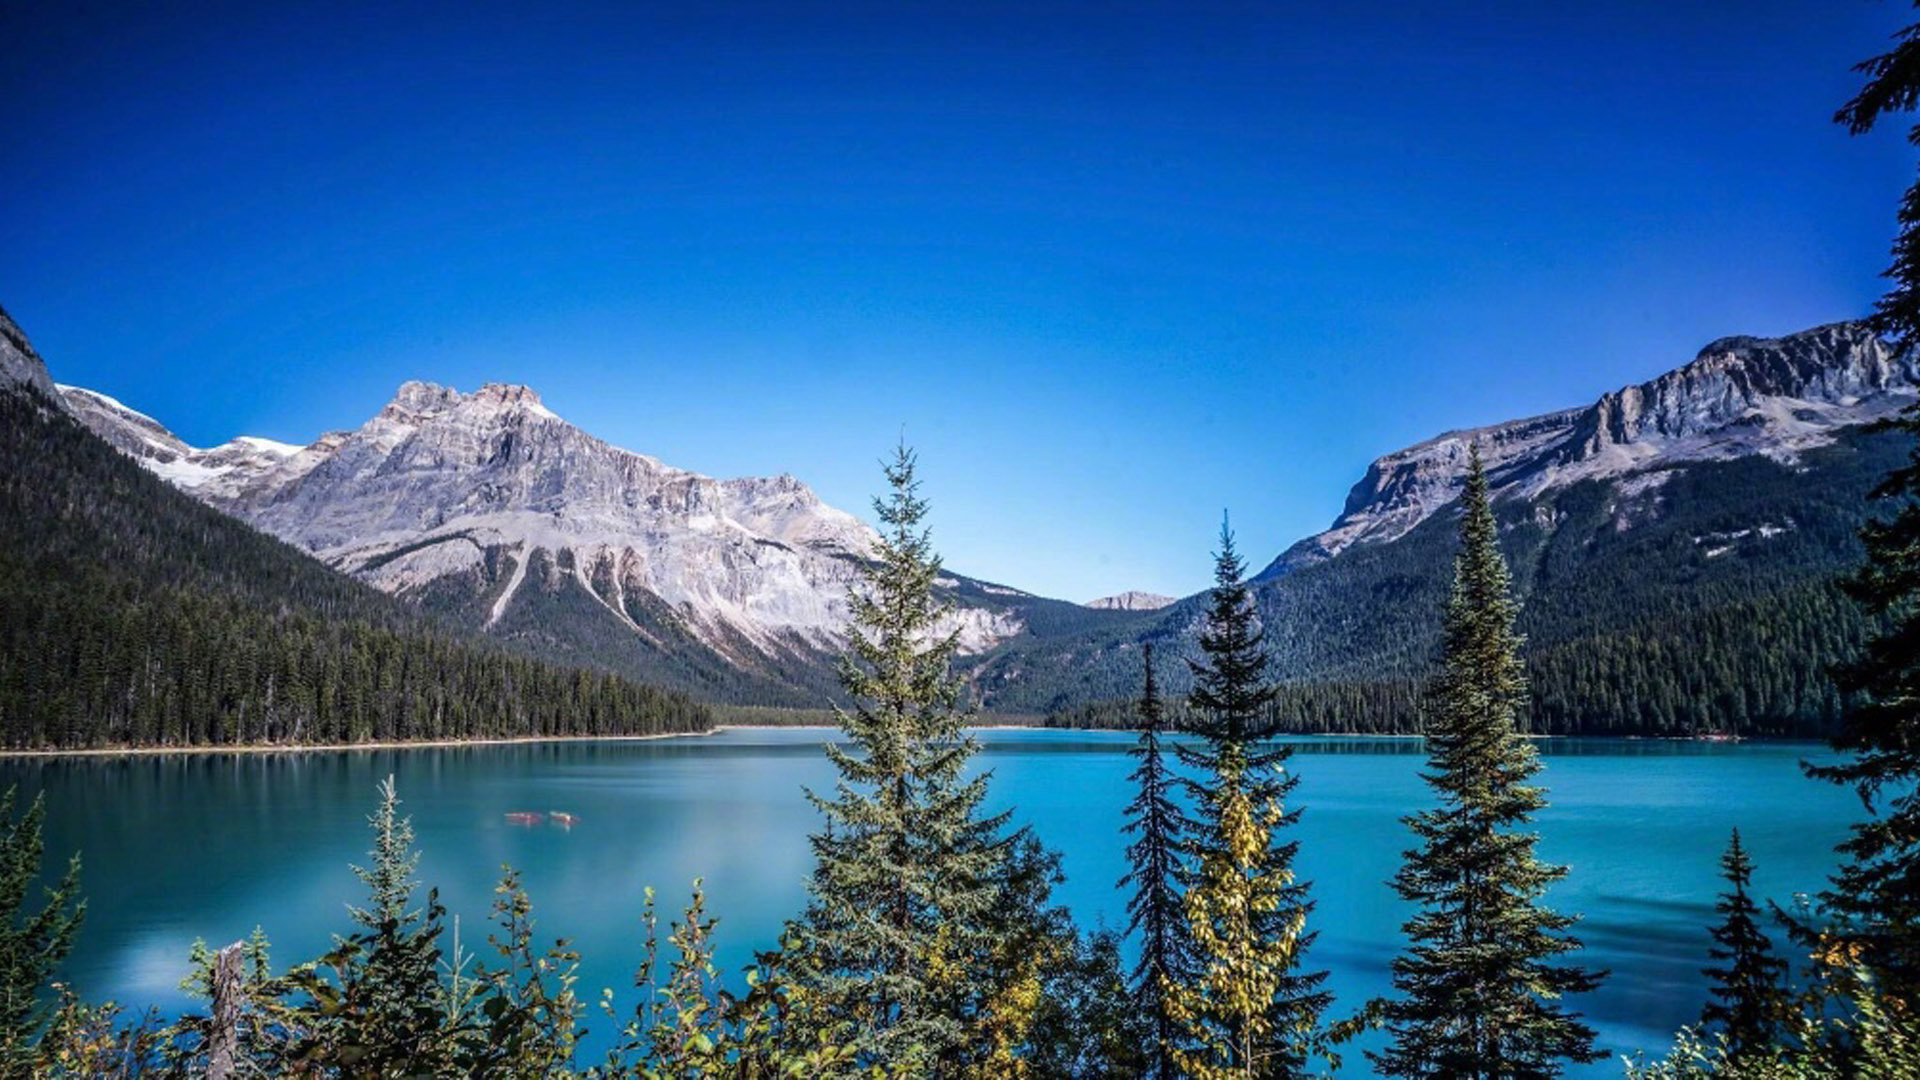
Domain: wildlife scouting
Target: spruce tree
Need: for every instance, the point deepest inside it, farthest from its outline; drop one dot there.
(1749, 990)
(1478, 995)
(908, 869)
(32, 942)
(1154, 910)
(384, 1012)
(1249, 1003)
(1875, 895)
(1233, 1011)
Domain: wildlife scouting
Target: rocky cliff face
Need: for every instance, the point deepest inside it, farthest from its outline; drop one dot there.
(491, 495)
(1739, 396)
(18, 362)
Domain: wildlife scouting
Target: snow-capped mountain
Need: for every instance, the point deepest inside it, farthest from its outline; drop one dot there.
(219, 470)
(1131, 600)
(485, 502)
(1741, 395)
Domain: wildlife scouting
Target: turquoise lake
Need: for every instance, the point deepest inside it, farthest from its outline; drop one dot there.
(179, 847)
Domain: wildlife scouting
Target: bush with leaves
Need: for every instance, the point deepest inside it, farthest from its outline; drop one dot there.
(687, 1025)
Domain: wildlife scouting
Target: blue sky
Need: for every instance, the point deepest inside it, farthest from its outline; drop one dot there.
(1111, 270)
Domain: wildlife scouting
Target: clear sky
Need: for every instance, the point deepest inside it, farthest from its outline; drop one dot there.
(1111, 270)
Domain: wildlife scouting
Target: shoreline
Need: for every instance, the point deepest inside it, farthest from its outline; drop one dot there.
(336, 748)
(447, 744)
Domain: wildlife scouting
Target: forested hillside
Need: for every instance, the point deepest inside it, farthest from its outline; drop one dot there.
(132, 615)
(1706, 603)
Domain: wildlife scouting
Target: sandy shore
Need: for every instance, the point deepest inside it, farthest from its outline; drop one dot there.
(331, 748)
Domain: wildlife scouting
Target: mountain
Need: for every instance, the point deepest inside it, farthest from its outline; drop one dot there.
(1131, 600)
(490, 509)
(139, 436)
(1775, 397)
(1675, 545)
(130, 614)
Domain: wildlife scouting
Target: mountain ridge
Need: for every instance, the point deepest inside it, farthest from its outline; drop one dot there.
(490, 509)
(1740, 394)
(132, 614)
(1675, 547)
(1132, 600)
(487, 506)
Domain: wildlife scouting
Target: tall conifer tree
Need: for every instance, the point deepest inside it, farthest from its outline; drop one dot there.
(32, 942)
(1154, 910)
(1477, 993)
(1246, 910)
(1875, 896)
(1749, 991)
(908, 870)
(1247, 940)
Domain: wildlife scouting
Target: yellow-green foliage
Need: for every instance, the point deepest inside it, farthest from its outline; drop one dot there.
(688, 1026)
(1006, 1016)
(1846, 1028)
(1226, 1011)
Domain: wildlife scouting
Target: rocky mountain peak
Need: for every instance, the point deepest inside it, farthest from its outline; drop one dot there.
(417, 401)
(1738, 396)
(490, 494)
(1789, 385)
(508, 396)
(1131, 600)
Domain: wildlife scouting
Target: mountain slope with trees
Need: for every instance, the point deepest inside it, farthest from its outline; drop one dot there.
(1675, 597)
(497, 515)
(131, 615)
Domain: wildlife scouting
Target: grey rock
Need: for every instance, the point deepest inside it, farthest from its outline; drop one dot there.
(1132, 600)
(1739, 396)
(442, 486)
(18, 362)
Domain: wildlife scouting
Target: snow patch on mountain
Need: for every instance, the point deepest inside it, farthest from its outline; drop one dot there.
(213, 472)
(436, 480)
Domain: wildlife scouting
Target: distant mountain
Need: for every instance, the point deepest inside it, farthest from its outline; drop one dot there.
(132, 615)
(1674, 543)
(1131, 600)
(1775, 397)
(489, 508)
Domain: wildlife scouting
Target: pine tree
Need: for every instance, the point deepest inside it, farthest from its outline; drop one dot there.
(1477, 995)
(384, 1011)
(1154, 910)
(908, 869)
(1247, 959)
(1750, 989)
(32, 943)
(1893, 85)
(1875, 895)
(1246, 929)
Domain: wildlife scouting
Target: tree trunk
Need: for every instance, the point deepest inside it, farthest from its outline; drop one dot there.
(223, 1038)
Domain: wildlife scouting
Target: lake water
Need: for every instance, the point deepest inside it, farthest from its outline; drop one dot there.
(209, 846)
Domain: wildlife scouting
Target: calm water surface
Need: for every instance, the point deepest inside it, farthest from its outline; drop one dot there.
(209, 846)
